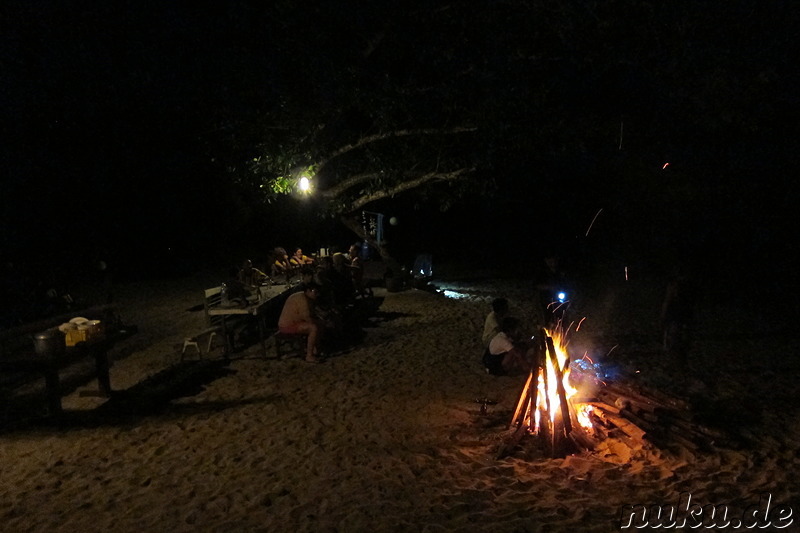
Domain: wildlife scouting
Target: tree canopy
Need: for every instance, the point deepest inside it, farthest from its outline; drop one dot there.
(188, 110)
(373, 101)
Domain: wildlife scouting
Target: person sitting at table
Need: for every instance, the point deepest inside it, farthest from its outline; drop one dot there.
(342, 281)
(235, 292)
(341, 263)
(322, 276)
(280, 263)
(336, 282)
(297, 317)
(240, 331)
(328, 310)
(299, 260)
(250, 275)
(357, 271)
(307, 274)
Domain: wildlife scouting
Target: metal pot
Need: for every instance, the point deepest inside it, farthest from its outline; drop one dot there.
(49, 343)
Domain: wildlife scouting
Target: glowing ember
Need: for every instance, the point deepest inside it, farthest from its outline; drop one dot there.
(582, 411)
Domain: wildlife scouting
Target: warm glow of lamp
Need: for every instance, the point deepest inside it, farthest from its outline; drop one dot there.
(304, 184)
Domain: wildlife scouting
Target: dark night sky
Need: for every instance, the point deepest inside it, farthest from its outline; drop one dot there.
(118, 116)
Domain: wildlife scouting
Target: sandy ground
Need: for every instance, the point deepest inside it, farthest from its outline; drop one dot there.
(388, 436)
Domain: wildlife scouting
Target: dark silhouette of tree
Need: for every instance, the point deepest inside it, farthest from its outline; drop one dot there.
(162, 113)
(449, 102)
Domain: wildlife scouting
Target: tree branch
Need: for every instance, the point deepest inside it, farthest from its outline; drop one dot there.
(408, 185)
(352, 223)
(388, 135)
(346, 183)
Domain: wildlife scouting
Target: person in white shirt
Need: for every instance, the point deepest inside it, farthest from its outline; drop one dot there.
(506, 351)
(491, 326)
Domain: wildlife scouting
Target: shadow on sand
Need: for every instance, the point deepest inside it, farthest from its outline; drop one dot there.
(367, 314)
(150, 398)
(154, 396)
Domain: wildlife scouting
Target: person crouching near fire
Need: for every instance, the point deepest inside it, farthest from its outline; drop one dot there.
(506, 351)
(297, 317)
(491, 325)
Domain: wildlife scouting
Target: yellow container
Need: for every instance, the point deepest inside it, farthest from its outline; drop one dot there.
(84, 332)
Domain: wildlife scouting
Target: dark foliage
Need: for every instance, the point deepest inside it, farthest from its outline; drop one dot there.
(131, 127)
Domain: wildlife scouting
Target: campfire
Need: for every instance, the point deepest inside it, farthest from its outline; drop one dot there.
(547, 406)
(568, 410)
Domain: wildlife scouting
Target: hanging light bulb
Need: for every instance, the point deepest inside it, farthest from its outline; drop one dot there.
(304, 184)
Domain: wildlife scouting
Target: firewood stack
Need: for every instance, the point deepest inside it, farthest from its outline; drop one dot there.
(642, 418)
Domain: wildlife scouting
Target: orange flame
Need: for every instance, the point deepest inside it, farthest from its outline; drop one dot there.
(548, 398)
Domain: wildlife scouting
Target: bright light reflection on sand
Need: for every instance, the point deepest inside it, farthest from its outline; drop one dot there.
(454, 294)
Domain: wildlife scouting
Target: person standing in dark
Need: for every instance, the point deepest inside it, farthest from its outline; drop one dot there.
(357, 270)
(250, 276)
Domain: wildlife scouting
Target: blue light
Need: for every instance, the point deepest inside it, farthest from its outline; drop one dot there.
(561, 296)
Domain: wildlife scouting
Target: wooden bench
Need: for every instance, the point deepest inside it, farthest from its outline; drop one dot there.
(257, 308)
(212, 299)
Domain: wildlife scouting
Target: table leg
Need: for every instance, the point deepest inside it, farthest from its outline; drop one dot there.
(261, 335)
(102, 367)
(226, 348)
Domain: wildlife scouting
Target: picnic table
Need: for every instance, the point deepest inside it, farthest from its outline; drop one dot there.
(257, 306)
(18, 355)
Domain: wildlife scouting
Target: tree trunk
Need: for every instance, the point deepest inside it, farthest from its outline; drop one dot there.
(393, 267)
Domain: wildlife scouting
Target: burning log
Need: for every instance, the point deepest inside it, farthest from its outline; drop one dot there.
(524, 399)
(627, 427)
(562, 395)
(582, 440)
(624, 401)
(605, 407)
(549, 415)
